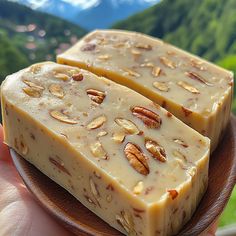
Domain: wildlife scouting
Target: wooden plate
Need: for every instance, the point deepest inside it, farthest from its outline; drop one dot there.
(79, 220)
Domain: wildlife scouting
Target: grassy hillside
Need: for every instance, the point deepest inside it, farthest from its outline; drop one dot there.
(204, 27)
(28, 36)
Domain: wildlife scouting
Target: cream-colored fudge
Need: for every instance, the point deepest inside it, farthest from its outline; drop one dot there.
(197, 92)
(125, 158)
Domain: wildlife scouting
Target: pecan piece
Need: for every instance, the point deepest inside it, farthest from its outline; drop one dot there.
(128, 125)
(125, 220)
(136, 158)
(162, 86)
(88, 47)
(186, 111)
(62, 76)
(156, 71)
(56, 90)
(131, 72)
(147, 47)
(32, 92)
(188, 87)
(23, 147)
(104, 57)
(33, 85)
(59, 164)
(97, 122)
(135, 52)
(173, 193)
(138, 188)
(98, 150)
(77, 77)
(157, 151)
(180, 142)
(149, 118)
(195, 76)
(94, 188)
(96, 95)
(58, 115)
(167, 62)
(118, 137)
(148, 65)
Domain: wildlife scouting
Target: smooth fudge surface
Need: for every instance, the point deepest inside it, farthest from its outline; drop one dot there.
(125, 158)
(194, 90)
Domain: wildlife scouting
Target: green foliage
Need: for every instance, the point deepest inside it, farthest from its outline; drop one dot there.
(11, 59)
(204, 27)
(229, 62)
(229, 214)
(20, 49)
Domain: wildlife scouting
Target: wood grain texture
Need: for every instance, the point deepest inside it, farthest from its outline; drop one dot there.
(79, 220)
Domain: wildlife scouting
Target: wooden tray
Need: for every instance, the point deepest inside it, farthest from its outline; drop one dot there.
(79, 220)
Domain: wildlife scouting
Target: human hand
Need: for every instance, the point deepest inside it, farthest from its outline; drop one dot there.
(20, 215)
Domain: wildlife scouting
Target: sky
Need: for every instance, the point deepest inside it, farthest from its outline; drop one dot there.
(83, 4)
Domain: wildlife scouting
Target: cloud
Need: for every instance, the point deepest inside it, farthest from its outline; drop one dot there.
(83, 4)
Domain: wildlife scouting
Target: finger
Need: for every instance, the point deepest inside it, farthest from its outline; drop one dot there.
(4, 150)
(212, 230)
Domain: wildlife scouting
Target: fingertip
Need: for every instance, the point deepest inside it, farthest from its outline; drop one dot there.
(4, 150)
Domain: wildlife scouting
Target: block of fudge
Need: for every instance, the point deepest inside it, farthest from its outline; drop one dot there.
(125, 158)
(194, 90)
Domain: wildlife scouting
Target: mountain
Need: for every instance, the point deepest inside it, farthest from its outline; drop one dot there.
(107, 12)
(203, 27)
(90, 14)
(28, 36)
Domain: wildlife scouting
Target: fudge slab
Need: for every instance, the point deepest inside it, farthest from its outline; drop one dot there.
(197, 92)
(128, 160)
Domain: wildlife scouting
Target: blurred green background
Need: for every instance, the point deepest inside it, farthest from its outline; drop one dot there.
(204, 27)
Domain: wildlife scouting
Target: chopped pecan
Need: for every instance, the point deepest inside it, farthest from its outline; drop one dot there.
(173, 193)
(88, 47)
(147, 47)
(167, 62)
(59, 164)
(186, 111)
(56, 90)
(157, 151)
(180, 142)
(96, 95)
(104, 57)
(162, 86)
(118, 137)
(128, 125)
(156, 71)
(188, 87)
(195, 76)
(138, 188)
(32, 92)
(136, 158)
(131, 72)
(97, 122)
(77, 77)
(149, 118)
(33, 85)
(58, 115)
(98, 150)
